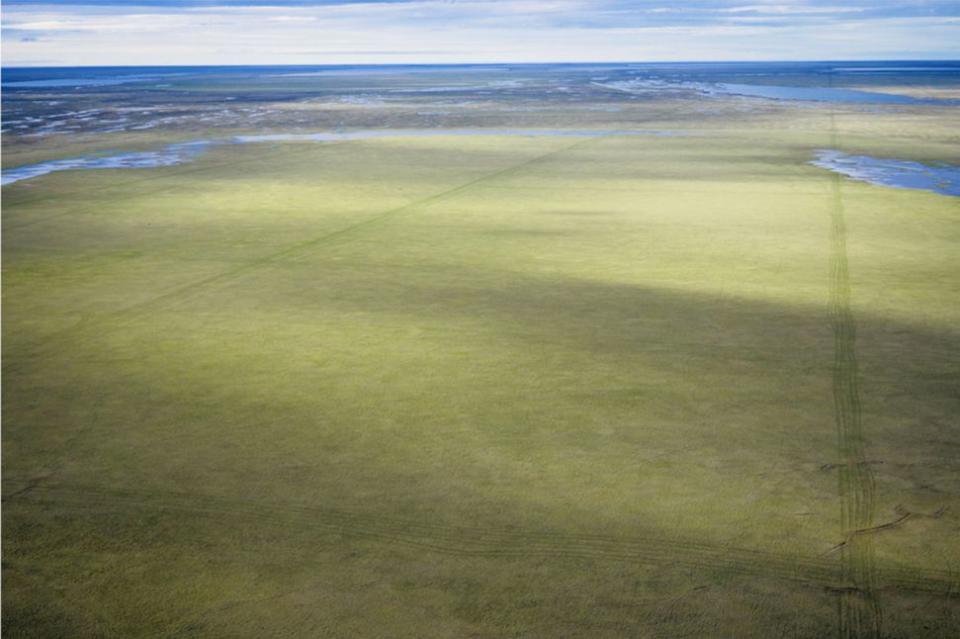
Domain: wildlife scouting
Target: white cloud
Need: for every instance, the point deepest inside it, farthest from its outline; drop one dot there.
(291, 19)
(471, 31)
(786, 9)
(143, 22)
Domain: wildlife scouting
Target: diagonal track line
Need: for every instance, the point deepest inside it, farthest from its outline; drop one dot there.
(130, 312)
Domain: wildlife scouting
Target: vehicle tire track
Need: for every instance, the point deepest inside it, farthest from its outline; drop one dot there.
(859, 611)
(470, 541)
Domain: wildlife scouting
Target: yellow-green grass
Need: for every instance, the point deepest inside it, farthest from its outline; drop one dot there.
(476, 387)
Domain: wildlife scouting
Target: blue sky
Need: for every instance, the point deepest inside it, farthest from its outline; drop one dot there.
(139, 32)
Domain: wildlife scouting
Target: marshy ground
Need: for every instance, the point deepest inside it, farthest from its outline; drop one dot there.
(683, 385)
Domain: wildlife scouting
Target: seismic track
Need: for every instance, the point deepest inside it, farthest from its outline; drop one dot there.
(72, 500)
(860, 615)
(54, 342)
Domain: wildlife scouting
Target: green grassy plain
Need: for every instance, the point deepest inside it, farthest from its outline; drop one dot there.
(487, 387)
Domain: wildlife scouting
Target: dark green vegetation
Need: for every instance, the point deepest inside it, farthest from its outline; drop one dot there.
(489, 386)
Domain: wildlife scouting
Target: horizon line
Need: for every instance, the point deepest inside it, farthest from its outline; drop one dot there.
(477, 64)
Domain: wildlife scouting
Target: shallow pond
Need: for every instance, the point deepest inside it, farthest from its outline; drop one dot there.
(423, 133)
(167, 156)
(818, 94)
(901, 174)
(770, 92)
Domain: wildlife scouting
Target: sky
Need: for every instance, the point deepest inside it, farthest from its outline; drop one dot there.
(185, 32)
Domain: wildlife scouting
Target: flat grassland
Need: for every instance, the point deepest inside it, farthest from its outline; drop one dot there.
(487, 386)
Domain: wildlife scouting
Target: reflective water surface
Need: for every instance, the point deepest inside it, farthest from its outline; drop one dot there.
(902, 174)
(167, 156)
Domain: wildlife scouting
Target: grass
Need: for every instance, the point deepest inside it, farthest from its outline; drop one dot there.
(474, 387)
